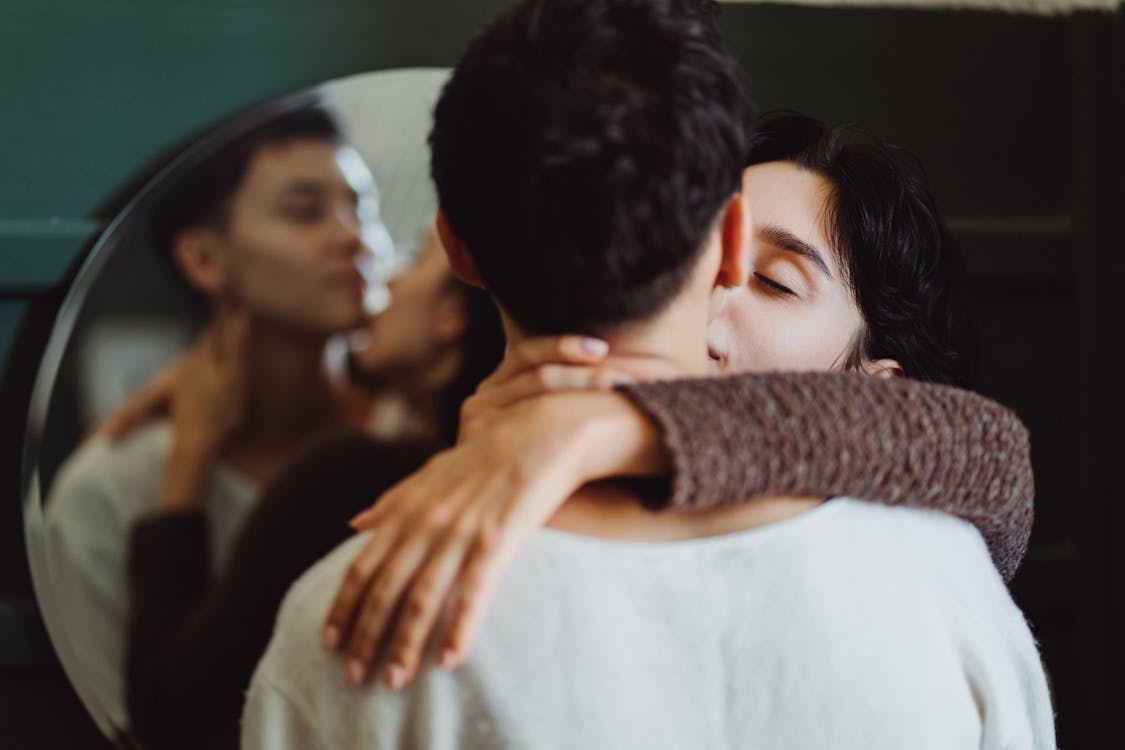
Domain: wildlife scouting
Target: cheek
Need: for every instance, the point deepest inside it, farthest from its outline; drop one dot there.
(763, 334)
(284, 276)
(267, 274)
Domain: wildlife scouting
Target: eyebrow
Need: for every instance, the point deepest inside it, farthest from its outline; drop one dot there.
(313, 188)
(786, 240)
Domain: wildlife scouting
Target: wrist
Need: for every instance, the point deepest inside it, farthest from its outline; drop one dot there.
(616, 439)
(185, 473)
(192, 442)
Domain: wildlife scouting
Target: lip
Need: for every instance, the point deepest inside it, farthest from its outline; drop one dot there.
(718, 357)
(350, 279)
(714, 353)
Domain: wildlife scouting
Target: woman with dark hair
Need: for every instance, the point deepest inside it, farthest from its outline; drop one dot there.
(882, 234)
(853, 274)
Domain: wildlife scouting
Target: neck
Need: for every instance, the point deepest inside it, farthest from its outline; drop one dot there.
(671, 345)
(289, 391)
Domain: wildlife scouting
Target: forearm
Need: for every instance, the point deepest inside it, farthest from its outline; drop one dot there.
(185, 474)
(894, 441)
(169, 578)
(190, 672)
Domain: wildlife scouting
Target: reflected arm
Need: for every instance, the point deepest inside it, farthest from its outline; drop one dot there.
(193, 643)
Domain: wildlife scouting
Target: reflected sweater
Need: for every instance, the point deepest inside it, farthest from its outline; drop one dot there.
(193, 641)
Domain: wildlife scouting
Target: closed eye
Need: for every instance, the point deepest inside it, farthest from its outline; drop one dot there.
(774, 286)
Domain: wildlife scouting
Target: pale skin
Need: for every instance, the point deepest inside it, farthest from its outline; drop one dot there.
(531, 439)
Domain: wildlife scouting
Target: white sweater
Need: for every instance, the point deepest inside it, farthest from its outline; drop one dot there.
(101, 490)
(850, 626)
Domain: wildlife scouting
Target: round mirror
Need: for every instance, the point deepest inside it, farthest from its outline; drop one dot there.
(297, 210)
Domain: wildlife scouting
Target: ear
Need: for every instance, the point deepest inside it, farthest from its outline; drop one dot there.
(196, 254)
(457, 252)
(734, 236)
(883, 368)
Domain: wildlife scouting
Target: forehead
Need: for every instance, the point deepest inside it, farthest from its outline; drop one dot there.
(277, 166)
(784, 195)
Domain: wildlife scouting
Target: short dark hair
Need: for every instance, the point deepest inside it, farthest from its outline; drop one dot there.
(892, 246)
(482, 347)
(582, 149)
(201, 196)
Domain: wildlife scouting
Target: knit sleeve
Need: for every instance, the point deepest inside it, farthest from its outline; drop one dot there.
(895, 441)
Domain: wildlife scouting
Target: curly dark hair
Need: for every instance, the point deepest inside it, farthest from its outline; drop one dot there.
(892, 246)
(582, 149)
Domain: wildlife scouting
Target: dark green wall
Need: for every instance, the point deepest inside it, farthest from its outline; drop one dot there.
(1019, 120)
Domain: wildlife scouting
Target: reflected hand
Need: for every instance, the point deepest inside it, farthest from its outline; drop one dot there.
(151, 401)
(207, 398)
(451, 529)
(155, 398)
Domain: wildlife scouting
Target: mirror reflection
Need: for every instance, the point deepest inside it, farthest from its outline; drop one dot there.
(235, 315)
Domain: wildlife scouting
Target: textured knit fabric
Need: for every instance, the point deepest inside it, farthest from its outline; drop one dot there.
(99, 492)
(853, 625)
(896, 441)
(193, 641)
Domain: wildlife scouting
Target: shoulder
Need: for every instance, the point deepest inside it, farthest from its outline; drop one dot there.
(297, 630)
(937, 562)
(920, 534)
(104, 479)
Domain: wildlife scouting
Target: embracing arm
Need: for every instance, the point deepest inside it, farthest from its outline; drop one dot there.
(545, 424)
(895, 441)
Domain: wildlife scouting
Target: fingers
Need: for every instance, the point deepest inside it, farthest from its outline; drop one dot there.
(150, 401)
(422, 605)
(548, 378)
(138, 409)
(484, 406)
(397, 496)
(349, 597)
(549, 349)
(478, 582)
(379, 607)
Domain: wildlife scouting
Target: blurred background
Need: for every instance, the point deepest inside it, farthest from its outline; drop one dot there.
(1016, 108)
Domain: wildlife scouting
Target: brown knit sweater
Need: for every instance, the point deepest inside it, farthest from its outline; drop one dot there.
(895, 441)
(193, 642)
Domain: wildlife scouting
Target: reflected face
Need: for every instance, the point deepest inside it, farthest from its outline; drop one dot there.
(292, 249)
(796, 313)
(423, 318)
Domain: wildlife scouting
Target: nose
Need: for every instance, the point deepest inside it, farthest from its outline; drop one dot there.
(348, 230)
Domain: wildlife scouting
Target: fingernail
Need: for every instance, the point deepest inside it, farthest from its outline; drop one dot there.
(396, 677)
(356, 673)
(596, 347)
(330, 638)
(448, 658)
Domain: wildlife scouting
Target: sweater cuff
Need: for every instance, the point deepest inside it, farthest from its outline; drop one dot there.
(658, 404)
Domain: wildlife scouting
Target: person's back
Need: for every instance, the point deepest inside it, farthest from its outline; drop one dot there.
(795, 634)
(588, 158)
